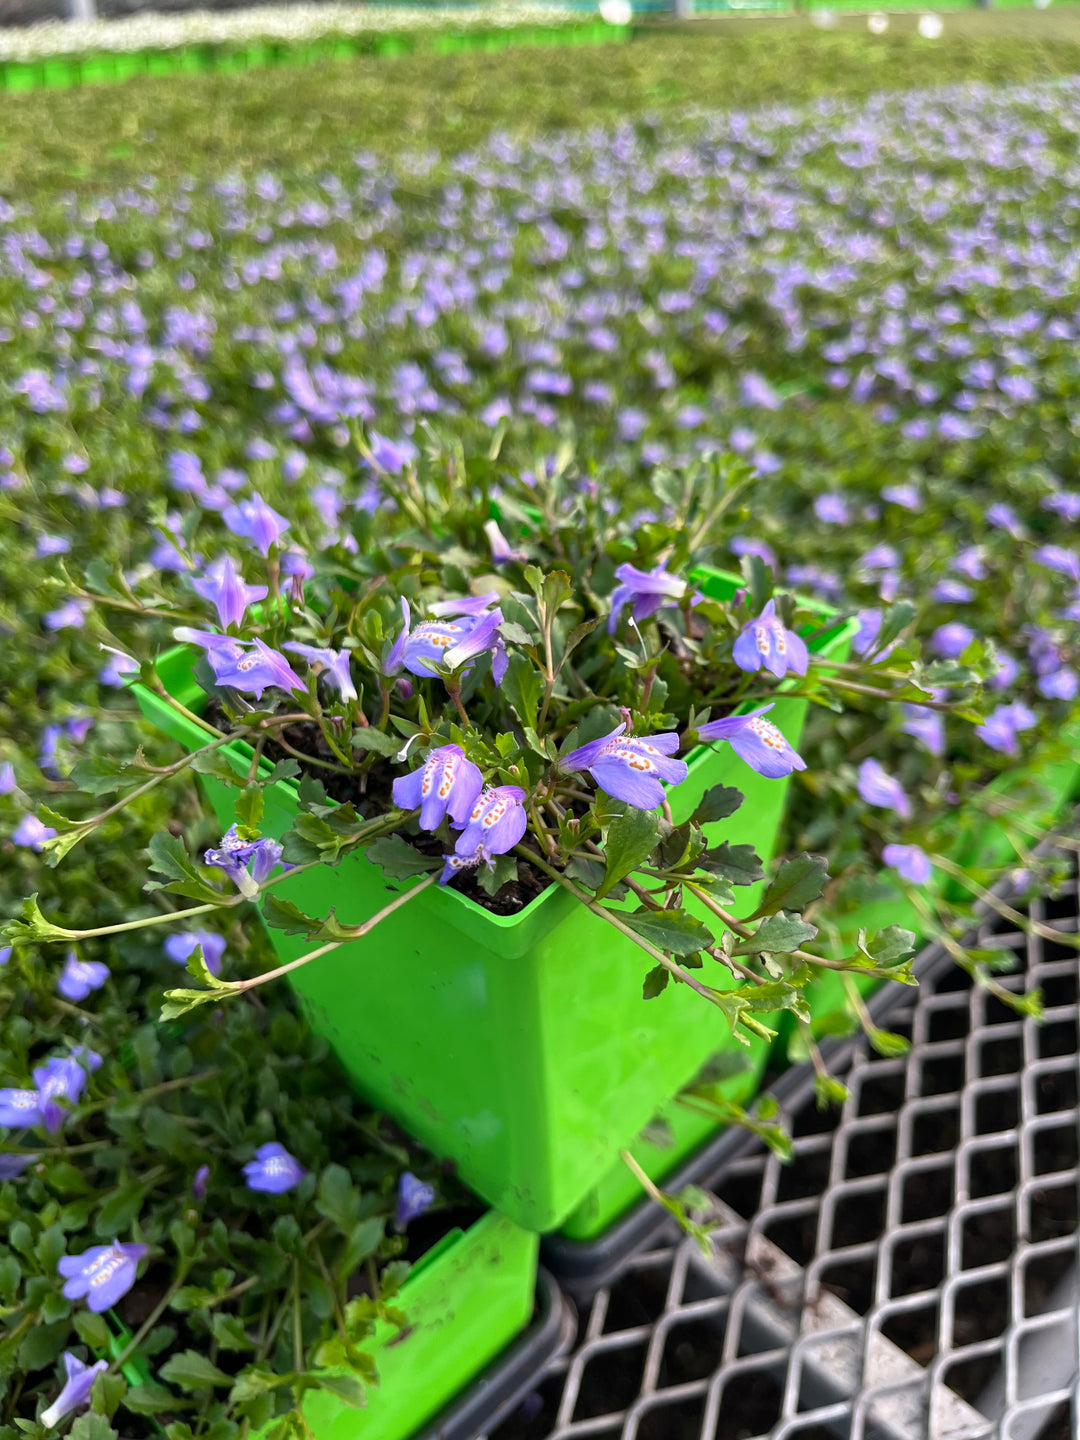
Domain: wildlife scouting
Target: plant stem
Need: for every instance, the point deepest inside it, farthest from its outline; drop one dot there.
(1023, 922)
(151, 1320)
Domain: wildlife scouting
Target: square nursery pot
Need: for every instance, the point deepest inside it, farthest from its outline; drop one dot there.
(518, 1046)
(1041, 789)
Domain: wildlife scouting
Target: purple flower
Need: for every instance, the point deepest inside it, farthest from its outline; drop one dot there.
(644, 591)
(910, 862)
(1002, 726)
(1059, 684)
(746, 545)
(765, 641)
(223, 585)
(832, 509)
(178, 947)
(495, 825)
(951, 640)
(451, 642)
(7, 777)
(76, 1391)
(391, 455)
(79, 977)
(199, 1182)
(905, 495)
(273, 1170)
(630, 767)
(69, 616)
(249, 666)
(1005, 674)
(1003, 517)
(117, 668)
(13, 1165)
(757, 741)
(446, 784)
(414, 1197)
(104, 1273)
(1056, 557)
(254, 520)
(63, 1078)
(950, 591)
(927, 726)
(20, 1109)
(878, 788)
(5, 953)
(246, 862)
(335, 666)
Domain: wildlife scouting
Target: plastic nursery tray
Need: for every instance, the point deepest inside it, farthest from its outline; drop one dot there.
(583, 1266)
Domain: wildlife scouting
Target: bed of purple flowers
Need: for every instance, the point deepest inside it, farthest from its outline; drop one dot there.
(402, 450)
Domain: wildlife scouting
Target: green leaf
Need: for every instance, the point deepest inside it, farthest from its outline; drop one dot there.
(629, 840)
(397, 859)
(213, 764)
(229, 1332)
(32, 926)
(179, 1002)
(758, 581)
(378, 741)
(98, 775)
(522, 686)
(777, 935)
(338, 1198)
(655, 982)
(887, 1044)
(92, 1427)
(348, 1389)
(254, 1382)
(249, 807)
(738, 864)
(828, 1091)
(503, 872)
(717, 804)
(169, 858)
(674, 931)
(151, 1399)
(42, 1345)
(896, 619)
(192, 1371)
(797, 883)
(284, 915)
(888, 945)
(197, 967)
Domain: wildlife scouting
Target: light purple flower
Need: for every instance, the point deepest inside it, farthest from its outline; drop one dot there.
(13, 1164)
(180, 946)
(865, 637)
(910, 862)
(757, 741)
(951, 640)
(1056, 557)
(246, 862)
(76, 1391)
(249, 666)
(63, 1078)
(746, 545)
(5, 953)
(414, 1197)
(20, 1109)
(905, 495)
(199, 1182)
(116, 669)
(335, 666)
(451, 642)
(630, 767)
(832, 509)
(254, 520)
(69, 616)
(391, 455)
(7, 777)
(496, 823)
(273, 1170)
(644, 591)
(501, 550)
(79, 977)
(1060, 684)
(1006, 673)
(877, 787)
(1003, 725)
(223, 585)
(104, 1273)
(765, 642)
(446, 784)
(927, 726)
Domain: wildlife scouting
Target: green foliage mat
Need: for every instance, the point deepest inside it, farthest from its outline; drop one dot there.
(307, 116)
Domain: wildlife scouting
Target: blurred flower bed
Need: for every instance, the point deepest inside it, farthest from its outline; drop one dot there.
(289, 23)
(874, 304)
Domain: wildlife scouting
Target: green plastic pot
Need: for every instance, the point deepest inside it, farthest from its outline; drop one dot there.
(464, 1301)
(1042, 789)
(518, 1046)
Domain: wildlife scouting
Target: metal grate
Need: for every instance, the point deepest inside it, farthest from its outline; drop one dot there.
(911, 1275)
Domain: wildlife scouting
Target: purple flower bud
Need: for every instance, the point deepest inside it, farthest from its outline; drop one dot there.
(879, 788)
(273, 1170)
(757, 741)
(117, 668)
(446, 784)
(76, 1391)
(334, 663)
(254, 520)
(501, 551)
(911, 862)
(199, 1182)
(178, 948)
(765, 641)
(223, 585)
(644, 591)
(414, 1197)
(104, 1273)
(630, 767)
(79, 977)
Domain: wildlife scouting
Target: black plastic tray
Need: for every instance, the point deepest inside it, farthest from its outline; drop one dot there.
(507, 1380)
